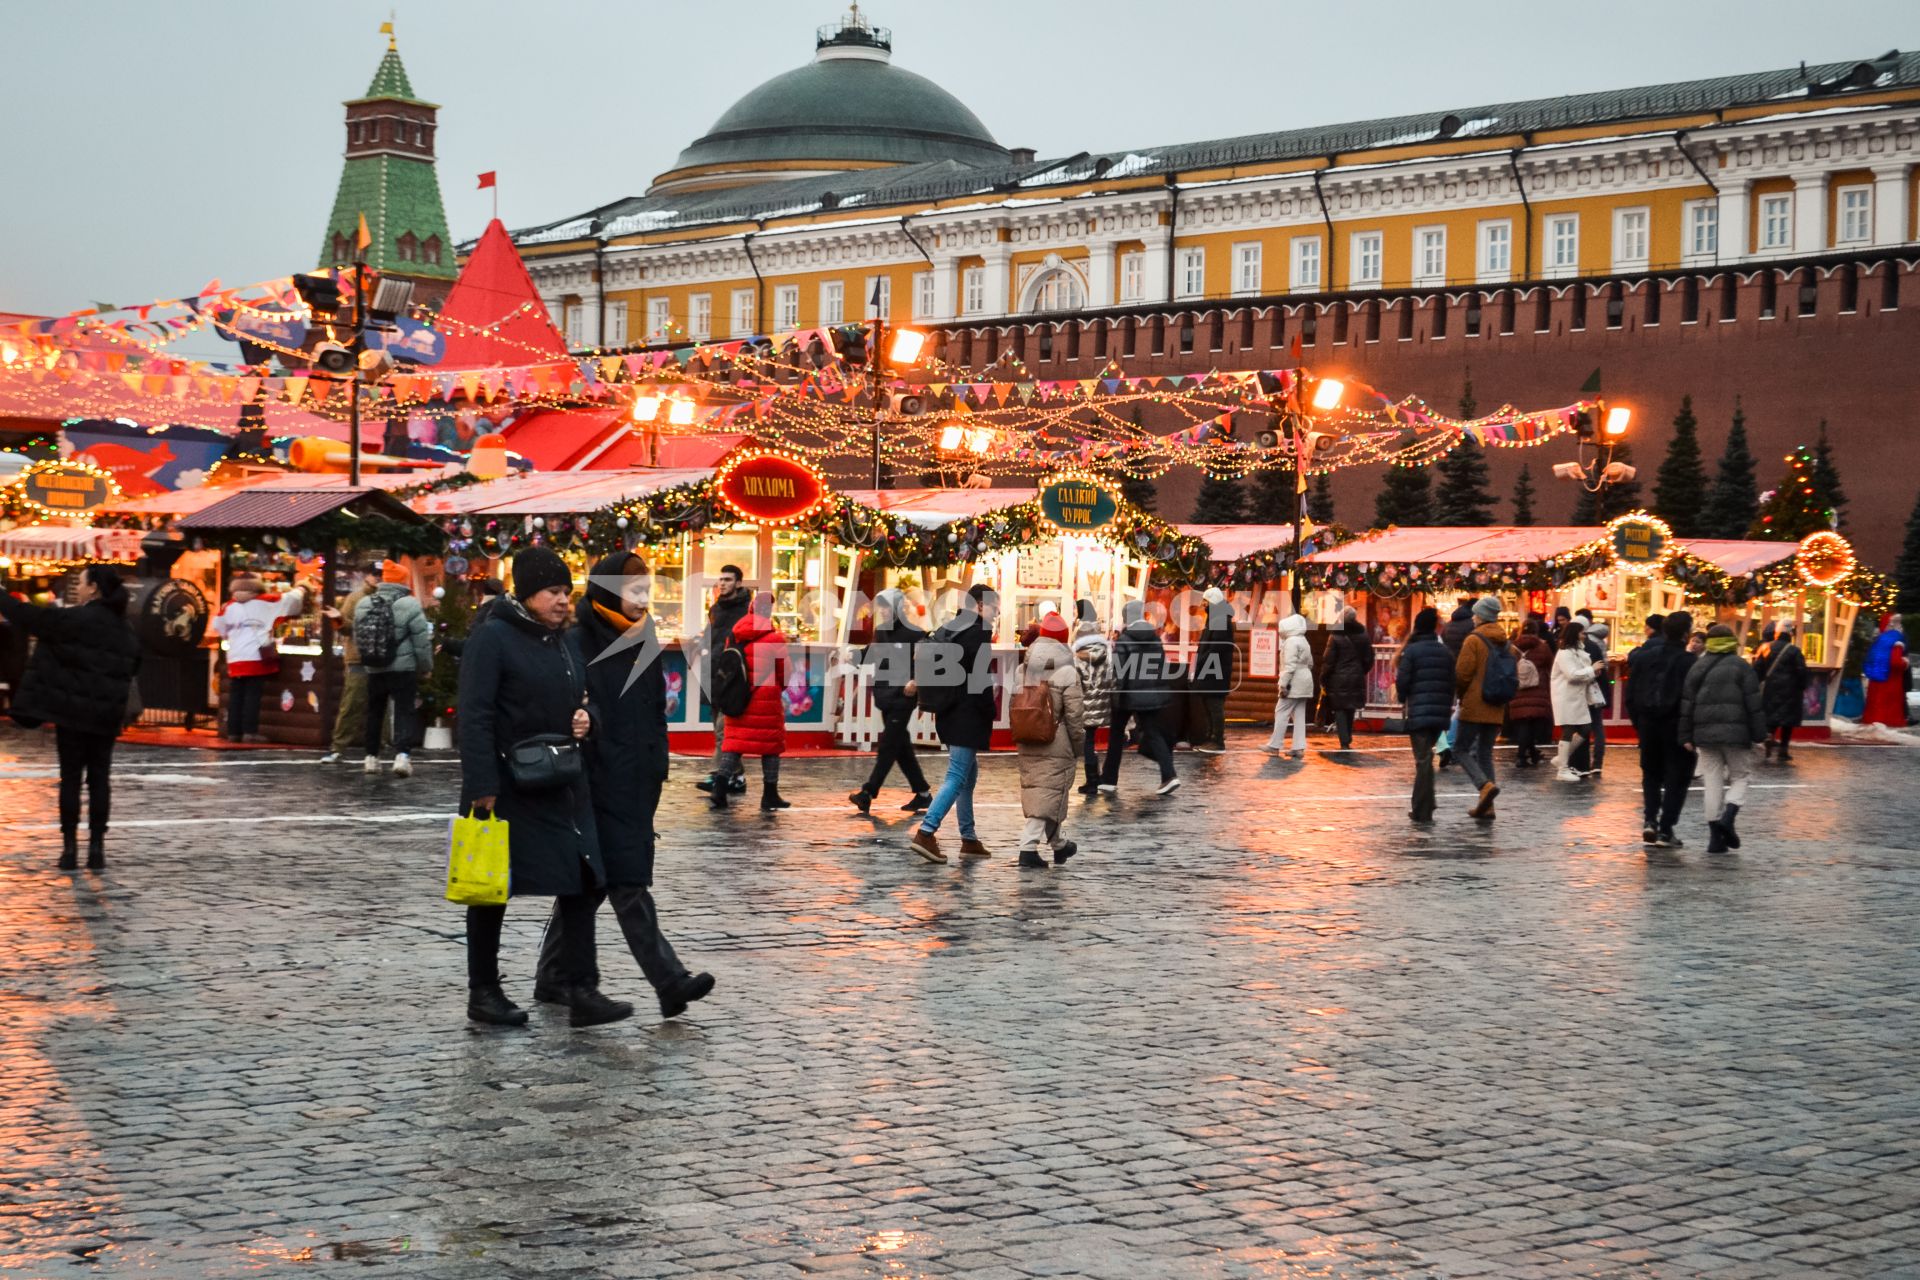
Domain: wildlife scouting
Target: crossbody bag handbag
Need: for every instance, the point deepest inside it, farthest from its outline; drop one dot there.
(547, 761)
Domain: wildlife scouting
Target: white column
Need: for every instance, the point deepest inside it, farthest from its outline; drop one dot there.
(1810, 215)
(998, 258)
(1100, 262)
(1153, 270)
(1736, 215)
(946, 283)
(1892, 188)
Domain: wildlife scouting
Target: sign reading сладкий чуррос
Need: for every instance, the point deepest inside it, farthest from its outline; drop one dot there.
(1077, 504)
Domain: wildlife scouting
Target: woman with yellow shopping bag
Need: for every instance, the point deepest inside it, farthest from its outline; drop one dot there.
(522, 717)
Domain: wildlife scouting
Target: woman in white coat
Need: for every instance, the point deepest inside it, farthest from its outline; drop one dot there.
(1296, 687)
(1575, 694)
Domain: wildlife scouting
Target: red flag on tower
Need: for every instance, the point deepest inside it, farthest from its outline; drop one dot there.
(486, 180)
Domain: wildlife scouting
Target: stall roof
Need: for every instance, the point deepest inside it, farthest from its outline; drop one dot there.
(930, 508)
(180, 502)
(1736, 557)
(271, 507)
(543, 493)
(1233, 541)
(69, 542)
(1441, 545)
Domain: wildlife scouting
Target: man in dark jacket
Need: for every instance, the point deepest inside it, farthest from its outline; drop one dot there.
(1345, 667)
(1654, 689)
(730, 603)
(1425, 685)
(891, 656)
(1459, 626)
(1637, 658)
(1141, 690)
(1721, 719)
(1782, 670)
(1211, 677)
(613, 641)
(954, 674)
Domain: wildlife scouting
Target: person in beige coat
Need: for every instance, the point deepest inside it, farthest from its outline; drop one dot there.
(1047, 770)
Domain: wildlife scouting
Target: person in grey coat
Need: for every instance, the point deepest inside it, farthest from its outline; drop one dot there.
(397, 680)
(1721, 718)
(1047, 769)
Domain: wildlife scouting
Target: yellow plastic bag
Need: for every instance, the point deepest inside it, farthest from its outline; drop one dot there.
(479, 871)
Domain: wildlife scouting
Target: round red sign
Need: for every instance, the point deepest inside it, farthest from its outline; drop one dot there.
(771, 488)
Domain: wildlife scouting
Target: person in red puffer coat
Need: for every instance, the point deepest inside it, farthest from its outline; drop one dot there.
(1530, 713)
(761, 730)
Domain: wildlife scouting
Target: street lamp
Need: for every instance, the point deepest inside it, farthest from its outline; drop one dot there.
(1595, 468)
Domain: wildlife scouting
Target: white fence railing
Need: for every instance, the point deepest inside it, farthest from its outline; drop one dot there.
(858, 720)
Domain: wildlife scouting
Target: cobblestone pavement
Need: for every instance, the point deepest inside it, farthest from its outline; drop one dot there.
(1255, 1029)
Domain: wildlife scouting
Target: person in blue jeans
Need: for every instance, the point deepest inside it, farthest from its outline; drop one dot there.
(954, 673)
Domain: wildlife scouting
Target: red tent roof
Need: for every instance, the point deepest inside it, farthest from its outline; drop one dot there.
(604, 440)
(495, 289)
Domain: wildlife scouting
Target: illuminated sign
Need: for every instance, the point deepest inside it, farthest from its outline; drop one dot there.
(67, 488)
(1641, 543)
(1077, 504)
(770, 487)
(1824, 559)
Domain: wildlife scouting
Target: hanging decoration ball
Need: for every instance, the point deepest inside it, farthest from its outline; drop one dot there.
(539, 522)
(439, 593)
(953, 537)
(621, 523)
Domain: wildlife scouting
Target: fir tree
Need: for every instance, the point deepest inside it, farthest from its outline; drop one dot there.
(1906, 570)
(1221, 501)
(1320, 500)
(1826, 479)
(1680, 488)
(1610, 500)
(1734, 499)
(1523, 496)
(1462, 498)
(1273, 498)
(1404, 498)
(1140, 492)
(1795, 508)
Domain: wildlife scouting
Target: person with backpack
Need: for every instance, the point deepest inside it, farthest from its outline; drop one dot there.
(1211, 678)
(1486, 677)
(1093, 657)
(1782, 671)
(890, 654)
(954, 672)
(1530, 714)
(1424, 681)
(246, 624)
(754, 658)
(1459, 626)
(1654, 689)
(395, 641)
(350, 721)
(1142, 689)
(1591, 755)
(79, 678)
(1345, 667)
(731, 600)
(1296, 688)
(1574, 693)
(1722, 721)
(1049, 726)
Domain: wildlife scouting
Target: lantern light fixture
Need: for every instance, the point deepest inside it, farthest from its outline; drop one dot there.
(646, 408)
(681, 414)
(1618, 418)
(1327, 393)
(906, 346)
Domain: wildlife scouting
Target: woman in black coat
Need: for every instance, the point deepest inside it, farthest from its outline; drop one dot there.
(1783, 689)
(1212, 671)
(614, 642)
(77, 678)
(1344, 670)
(518, 679)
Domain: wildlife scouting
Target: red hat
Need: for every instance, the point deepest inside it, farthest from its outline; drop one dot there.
(1054, 627)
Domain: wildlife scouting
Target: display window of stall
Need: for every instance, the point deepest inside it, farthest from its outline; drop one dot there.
(668, 563)
(278, 574)
(798, 606)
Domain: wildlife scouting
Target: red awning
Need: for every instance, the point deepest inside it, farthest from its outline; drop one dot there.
(495, 293)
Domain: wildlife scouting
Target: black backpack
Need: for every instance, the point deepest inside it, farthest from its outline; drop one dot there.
(1500, 678)
(374, 632)
(732, 689)
(936, 697)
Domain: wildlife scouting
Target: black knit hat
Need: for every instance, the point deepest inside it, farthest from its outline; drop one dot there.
(536, 569)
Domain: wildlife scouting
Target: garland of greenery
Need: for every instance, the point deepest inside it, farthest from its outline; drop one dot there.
(363, 533)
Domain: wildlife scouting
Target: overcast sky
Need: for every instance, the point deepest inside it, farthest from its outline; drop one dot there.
(151, 147)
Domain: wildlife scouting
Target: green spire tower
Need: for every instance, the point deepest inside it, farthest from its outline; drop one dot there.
(389, 177)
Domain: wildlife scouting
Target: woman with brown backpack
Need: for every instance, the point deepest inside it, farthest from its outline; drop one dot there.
(1049, 725)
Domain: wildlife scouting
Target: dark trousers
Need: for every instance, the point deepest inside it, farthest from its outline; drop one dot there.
(1666, 770)
(1528, 733)
(1091, 751)
(895, 748)
(1214, 707)
(243, 706)
(1424, 741)
(88, 755)
(1473, 750)
(1153, 743)
(575, 914)
(402, 689)
(639, 919)
(1343, 726)
(1592, 751)
(1785, 733)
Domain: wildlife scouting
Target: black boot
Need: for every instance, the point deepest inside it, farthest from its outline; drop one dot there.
(770, 799)
(586, 1007)
(705, 784)
(490, 1005)
(717, 795)
(1716, 837)
(1064, 850)
(96, 851)
(691, 986)
(1727, 815)
(921, 802)
(860, 800)
(1030, 859)
(69, 851)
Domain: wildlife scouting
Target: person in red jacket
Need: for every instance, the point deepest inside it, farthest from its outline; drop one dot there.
(761, 730)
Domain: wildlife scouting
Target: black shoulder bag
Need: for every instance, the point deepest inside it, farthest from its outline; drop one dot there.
(548, 761)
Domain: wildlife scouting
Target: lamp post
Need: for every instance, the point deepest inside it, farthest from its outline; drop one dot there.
(356, 346)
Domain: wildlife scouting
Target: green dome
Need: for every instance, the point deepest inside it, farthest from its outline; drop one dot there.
(849, 108)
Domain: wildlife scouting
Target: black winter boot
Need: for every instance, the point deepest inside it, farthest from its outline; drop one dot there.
(96, 851)
(770, 799)
(586, 1007)
(69, 851)
(490, 1005)
(861, 801)
(1716, 837)
(717, 795)
(1727, 815)
(691, 986)
(1030, 860)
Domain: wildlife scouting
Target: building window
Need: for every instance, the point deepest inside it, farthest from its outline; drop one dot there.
(1193, 272)
(576, 325)
(1246, 268)
(1563, 244)
(659, 318)
(1133, 277)
(1368, 250)
(879, 298)
(616, 334)
(922, 295)
(354, 132)
(1430, 255)
(1496, 250)
(973, 290)
(557, 315)
(700, 317)
(1703, 229)
(833, 302)
(1776, 222)
(786, 307)
(1630, 238)
(1306, 263)
(1856, 215)
(1059, 290)
(407, 249)
(745, 304)
(430, 250)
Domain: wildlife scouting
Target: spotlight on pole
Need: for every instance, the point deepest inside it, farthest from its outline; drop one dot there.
(681, 414)
(1569, 471)
(646, 408)
(907, 344)
(980, 439)
(1617, 420)
(1327, 393)
(952, 436)
(1618, 473)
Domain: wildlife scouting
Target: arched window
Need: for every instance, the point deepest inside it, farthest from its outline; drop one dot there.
(1056, 290)
(430, 250)
(409, 248)
(342, 248)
